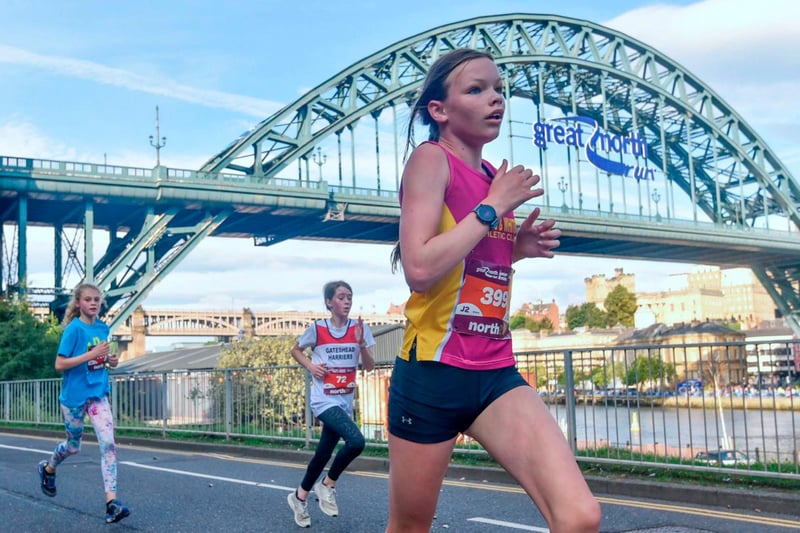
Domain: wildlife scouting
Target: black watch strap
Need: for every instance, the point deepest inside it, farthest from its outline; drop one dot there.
(487, 215)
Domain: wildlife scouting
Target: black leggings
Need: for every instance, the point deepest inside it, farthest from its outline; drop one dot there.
(336, 424)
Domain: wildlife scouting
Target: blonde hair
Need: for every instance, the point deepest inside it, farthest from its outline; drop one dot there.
(73, 310)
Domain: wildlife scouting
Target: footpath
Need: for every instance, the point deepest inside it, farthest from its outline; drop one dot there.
(759, 500)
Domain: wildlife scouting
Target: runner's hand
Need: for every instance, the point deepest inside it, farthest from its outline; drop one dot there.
(319, 371)
(536, 240)
(512, 187)
(360, 332)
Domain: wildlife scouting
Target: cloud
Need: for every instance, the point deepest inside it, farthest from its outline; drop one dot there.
(740, 50)
(24, 139)
(88, 70)
(730, 44)
(714, 31)
(232, 273)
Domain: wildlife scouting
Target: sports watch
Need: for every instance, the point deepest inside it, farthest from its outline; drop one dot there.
(487, 215)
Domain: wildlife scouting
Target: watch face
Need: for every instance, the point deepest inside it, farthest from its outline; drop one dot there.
(485, 213)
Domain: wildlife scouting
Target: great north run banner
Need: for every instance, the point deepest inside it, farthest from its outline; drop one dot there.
(594, 142)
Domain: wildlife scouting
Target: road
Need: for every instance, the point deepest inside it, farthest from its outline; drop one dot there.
(178, 491)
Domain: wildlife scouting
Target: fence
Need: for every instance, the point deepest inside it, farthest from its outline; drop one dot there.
(693, 406)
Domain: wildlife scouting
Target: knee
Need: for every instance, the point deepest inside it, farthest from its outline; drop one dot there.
(583, 516)
(357, 444)
(107, 447)
(403, 519)
(321, 457)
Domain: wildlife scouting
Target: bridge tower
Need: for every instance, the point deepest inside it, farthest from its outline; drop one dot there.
(138, 345)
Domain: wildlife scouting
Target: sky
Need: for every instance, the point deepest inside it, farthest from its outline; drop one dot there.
(81, 80)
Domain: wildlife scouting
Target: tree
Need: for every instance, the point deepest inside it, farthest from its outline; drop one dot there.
(27, 346)
(607, 374)
(649, 369)
(260, 352)
(585, 315)
(274, 397)
(620, 307)
(518, 321)
(574, 317)
(595, 317)
(541, 377)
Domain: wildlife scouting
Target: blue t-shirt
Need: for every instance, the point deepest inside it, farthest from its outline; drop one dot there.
(79, 383)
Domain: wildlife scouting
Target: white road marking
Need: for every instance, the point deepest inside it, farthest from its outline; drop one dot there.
(510, 525)
(206, 476)
(6, 446)
(170, 470)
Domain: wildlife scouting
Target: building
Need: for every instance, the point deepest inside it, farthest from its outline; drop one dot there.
(598, 286)
(684, 305)
(705, 293)
(746, 299)
(773, 354)
(540, 310)
(588, 348)
(689, 348)
(396, 309)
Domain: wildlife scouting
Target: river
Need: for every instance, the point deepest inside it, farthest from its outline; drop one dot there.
(754, 432)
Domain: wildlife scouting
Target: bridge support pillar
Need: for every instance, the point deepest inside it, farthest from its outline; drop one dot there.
(123, 346)
(137, 345)
(248, 323)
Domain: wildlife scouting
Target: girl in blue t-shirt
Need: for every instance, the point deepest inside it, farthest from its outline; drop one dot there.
(83, 354)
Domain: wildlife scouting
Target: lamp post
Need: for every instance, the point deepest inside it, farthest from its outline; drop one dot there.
(563, 186)
(319, 159)
(160, 142)
(656, 196)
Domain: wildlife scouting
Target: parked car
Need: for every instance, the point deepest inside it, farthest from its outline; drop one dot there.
(724, 458)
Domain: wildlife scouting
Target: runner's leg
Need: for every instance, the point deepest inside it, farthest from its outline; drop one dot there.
(520, 433)
(416, 472)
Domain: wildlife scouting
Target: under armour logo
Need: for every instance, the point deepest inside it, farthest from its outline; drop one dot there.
(405, 420)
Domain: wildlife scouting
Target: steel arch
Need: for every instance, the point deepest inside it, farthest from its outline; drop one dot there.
(703, 146)
(708, 150)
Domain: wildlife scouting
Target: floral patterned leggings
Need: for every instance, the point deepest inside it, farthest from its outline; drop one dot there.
(102, 420)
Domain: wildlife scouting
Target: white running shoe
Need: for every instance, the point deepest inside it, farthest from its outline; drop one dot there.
(327, 499)
(300, 510)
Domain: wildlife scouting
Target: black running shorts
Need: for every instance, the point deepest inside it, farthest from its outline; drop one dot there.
(432, 402)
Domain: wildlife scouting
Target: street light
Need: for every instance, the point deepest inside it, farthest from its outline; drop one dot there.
(563, 186)
(319, 159)
(159, 143)
(656, 196)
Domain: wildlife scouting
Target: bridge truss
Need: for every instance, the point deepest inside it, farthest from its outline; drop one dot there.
(713, 169)
(706, 151)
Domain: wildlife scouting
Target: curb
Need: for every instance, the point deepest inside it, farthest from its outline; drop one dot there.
(765, 501)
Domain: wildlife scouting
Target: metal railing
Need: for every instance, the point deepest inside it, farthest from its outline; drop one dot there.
(690, 406)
